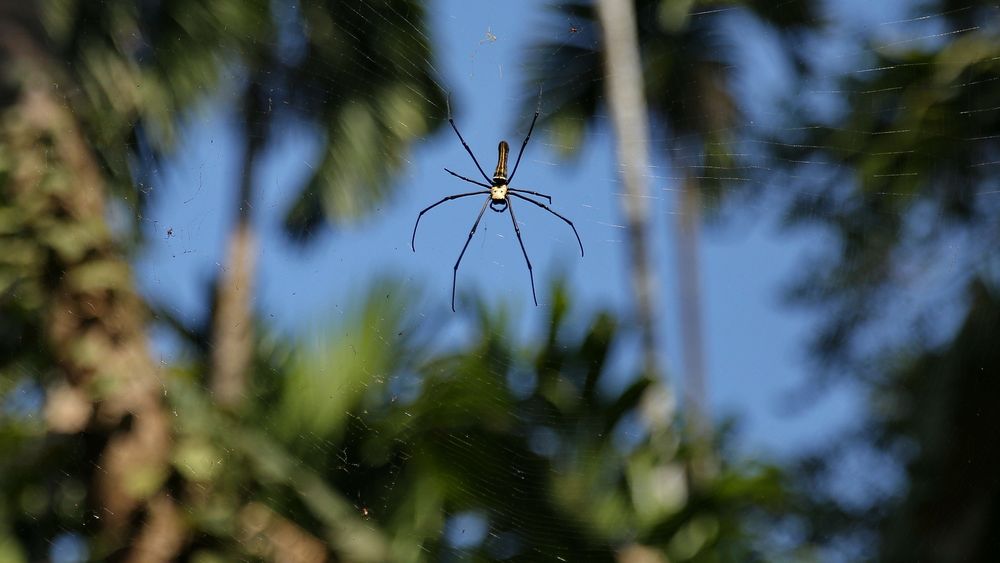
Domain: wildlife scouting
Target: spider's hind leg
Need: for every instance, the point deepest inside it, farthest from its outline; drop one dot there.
(454, 274)
(545, 207)
(517, 231)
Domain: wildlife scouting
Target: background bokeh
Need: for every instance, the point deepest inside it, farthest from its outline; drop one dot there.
(218, 344)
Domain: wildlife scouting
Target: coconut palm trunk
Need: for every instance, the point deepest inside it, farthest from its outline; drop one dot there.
(688, 244)
(107, 385)
(627, 106)
(232, 332)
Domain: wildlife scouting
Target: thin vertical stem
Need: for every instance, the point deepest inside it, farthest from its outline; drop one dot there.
(627, 105)
(689, 302)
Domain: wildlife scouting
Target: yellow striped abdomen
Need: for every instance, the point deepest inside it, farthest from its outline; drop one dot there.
(501, 172)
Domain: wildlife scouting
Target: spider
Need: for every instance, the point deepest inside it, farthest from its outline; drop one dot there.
(499, 194)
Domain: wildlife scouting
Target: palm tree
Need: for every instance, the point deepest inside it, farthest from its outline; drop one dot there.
(537, 465)
(91, 94)
(685, 70)
(366, 131)
(75, 303)
(909, 173)
(627, 105)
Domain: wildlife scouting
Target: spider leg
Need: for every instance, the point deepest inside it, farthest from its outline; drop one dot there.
(517, 231)
(421, 214)
(464, 144)
(548, 197)
(525, 143)
(545, 207)
(454, 274)
(459, 176)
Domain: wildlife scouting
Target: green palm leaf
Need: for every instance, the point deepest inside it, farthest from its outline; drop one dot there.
(367, 83)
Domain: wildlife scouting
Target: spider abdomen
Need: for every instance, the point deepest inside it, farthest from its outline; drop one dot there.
(501, 172)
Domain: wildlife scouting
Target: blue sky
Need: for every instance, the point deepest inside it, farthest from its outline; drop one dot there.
(755, 354)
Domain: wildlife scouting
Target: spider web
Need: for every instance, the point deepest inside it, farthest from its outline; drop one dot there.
(758, 368)
(754, 345)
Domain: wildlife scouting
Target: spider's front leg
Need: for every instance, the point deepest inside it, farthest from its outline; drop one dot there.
(428, 208)
(454, 274)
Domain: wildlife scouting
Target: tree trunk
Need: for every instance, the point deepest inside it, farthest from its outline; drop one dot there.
(703, 463)
(232, 330)
(627, 106)
(94, 320)
(688, 244)
(233, 324)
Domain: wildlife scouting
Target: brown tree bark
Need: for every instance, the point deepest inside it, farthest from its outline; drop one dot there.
(233, 330)
(95, 320)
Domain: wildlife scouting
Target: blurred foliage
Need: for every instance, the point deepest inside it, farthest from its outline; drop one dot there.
(688, 52)
(134, 71)
(915, 160)
(903, 179)
(372, 446)
(946, 401)
(369, 446)
(88, 444)
(365, 77)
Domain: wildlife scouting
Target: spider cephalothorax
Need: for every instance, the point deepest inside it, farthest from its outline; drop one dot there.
(498, 191)
(499, 194)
